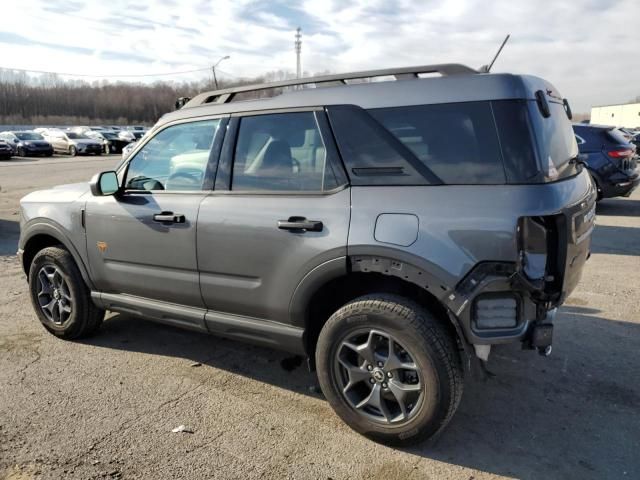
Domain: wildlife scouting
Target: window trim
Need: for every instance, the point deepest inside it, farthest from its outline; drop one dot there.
(212, 162)
(224, 179)
(579, 139)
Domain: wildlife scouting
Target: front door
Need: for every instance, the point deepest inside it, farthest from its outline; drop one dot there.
(142, 242)
(278, 212)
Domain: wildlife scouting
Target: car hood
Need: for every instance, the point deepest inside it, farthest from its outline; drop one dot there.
(60, 194)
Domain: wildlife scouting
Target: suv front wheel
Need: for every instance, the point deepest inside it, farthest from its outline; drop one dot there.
(389, 369)
(60, 297)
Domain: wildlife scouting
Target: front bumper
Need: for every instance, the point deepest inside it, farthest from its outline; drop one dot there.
(86, 149)
(38, 150)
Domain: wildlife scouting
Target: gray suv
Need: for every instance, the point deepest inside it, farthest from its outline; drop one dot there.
(390, 226)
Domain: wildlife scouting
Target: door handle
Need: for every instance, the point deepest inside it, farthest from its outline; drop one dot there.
(168, 217)
(300, 225)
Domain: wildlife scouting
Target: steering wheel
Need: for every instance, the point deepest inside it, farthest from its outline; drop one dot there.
(192, 179)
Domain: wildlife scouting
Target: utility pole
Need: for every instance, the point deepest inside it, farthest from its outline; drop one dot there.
(213, 69)
(298, 47)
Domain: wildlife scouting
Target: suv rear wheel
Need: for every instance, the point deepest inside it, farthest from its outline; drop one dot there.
(389, 369)
(60, 297)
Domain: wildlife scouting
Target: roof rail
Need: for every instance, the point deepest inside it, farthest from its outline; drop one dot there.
(226, 95)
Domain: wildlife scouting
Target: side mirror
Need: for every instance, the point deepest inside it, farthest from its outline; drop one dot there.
(104, 184)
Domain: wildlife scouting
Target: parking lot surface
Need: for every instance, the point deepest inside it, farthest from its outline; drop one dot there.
(105, 407)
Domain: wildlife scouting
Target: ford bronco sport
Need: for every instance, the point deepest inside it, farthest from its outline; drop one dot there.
(391, 231)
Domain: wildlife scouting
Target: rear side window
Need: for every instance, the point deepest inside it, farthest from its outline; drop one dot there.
(372, 154)
(456, 141)
(281, 152)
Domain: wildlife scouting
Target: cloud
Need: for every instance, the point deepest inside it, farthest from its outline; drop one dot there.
(585, 47)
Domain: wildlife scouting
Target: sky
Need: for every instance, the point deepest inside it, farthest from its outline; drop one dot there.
(587, 48)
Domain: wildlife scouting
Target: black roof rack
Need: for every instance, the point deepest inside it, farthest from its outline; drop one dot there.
(226, 95)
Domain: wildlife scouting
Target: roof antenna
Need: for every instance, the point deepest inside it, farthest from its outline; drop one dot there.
(487, 68)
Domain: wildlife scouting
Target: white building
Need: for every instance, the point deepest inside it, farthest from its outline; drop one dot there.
(626, 115)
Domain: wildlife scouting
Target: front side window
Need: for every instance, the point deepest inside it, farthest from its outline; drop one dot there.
(281, 152)
(175, 159)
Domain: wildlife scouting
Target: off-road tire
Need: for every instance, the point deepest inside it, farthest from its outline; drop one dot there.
(431, 346)
(85, 318)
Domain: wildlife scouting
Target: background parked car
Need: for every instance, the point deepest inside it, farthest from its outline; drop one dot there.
(127, 135)
(627, 133)
(610, 159)
(6, 151)
(111, 142)
(72, 143)
(27, 143)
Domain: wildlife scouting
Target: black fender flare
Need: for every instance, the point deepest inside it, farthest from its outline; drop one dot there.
(375, 259)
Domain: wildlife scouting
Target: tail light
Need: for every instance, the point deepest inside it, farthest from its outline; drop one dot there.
(627, 152)
(533, 247)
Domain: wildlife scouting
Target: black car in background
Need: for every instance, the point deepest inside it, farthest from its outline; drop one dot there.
(111, 142)
(26, 143)
(610, 158)
(6, 150)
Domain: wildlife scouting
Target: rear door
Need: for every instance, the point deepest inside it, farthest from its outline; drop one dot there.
(280, 208)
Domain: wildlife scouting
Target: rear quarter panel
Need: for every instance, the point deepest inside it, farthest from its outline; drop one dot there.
(459, 225)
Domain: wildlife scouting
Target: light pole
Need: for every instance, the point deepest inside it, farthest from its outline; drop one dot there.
(213, 69)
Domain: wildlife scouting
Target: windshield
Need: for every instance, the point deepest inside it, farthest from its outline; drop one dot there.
(29, 136)
(75, 136)
(109, 136)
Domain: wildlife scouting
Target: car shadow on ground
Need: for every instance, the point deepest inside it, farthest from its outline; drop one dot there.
(619, 207)
(615, 240)
(24, 159)
(567, 416)
(9, 233)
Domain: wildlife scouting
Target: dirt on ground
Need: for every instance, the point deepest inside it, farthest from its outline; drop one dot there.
(105, 407)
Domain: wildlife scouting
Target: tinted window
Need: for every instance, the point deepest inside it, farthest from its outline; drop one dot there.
(514, 131)
(76, 136)
(281, 152)
(373, 155)
(175, 159)
(29, 136)
(557, 142)
(456, 141)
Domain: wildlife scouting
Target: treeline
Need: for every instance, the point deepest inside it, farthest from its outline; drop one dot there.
(47, 99)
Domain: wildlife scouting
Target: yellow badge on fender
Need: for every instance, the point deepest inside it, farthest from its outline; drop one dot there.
(102, 246)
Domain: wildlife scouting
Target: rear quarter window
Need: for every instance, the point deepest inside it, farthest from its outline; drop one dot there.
(456, 141)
